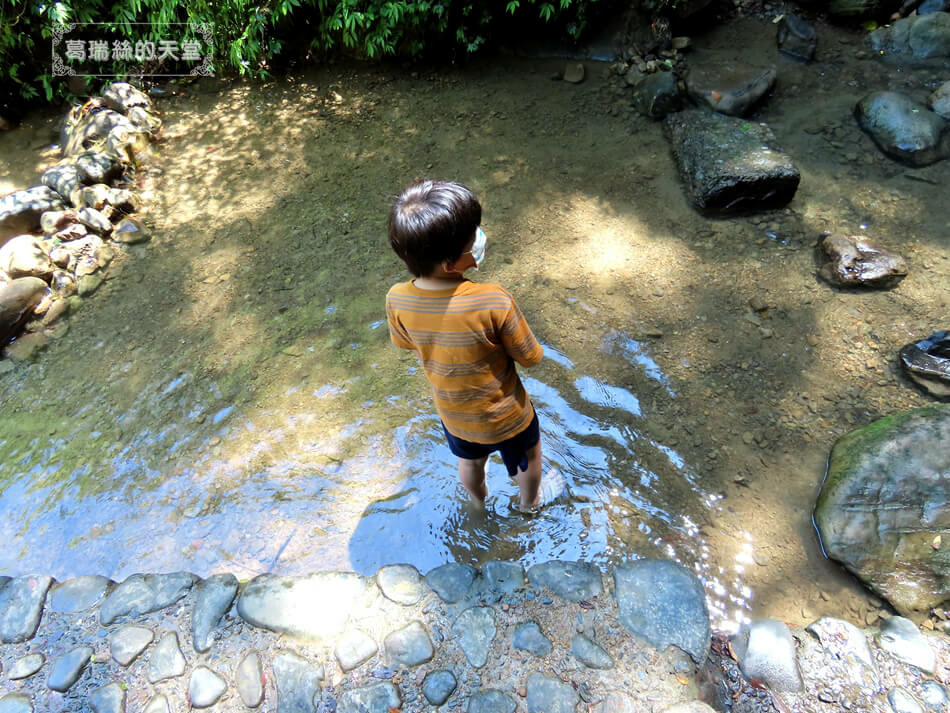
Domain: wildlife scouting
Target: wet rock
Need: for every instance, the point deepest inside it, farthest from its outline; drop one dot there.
(843, 639)
(354, 648)
(589, 653)
(503, 577)
(902, 701)
(438, 686)
(934, 696)
(379, 697)
(166, 661)
(927, 363)
(451, 581)
(925, 37)
(128, 642)
(26, 666)
(401, 583)
(298, 682)
(474, 629)
(78, 594)
(306, 607)
(730, 88)
(574, 72)
(575, 581)
(248, 678)
(95, 221)
(939, 100)
(901, 638)
(766, 651)
(853, 261)
(122, 96)
(143, 593)
(491, 701)
(17, 300)
(215, 596)
(15, 703)
(157, 704)
(88, 284)
(68, 668)
(23, 256)
(108, 699)
(20, 211)
(97, 167)
(657, 95)
(730, 166)
(63, 179)
(409, 646)
(205, 687)
(130, 232)
(882, 504)
(547, 694)
(26, 347)
(797, 38)
(929, 6)
(903, 128)
(21, 606)
(528, 637)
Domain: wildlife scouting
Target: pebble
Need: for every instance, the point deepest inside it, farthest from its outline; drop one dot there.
(247, 678)
(438, 686)
(401, 583)
(26, 666)
(354, 648)
(108, 699)
(901, 638)
(409, 646)
(381, 696)
(128, 642)
(166, 661)
(68, 668)
(547, 694)
(474, 629)
(215, 596)
(589, 653)
(528, 637)
(205, 687)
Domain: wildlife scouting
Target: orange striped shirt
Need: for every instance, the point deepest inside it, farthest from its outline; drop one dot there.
(468, 338)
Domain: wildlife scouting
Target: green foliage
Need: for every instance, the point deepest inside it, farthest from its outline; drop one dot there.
(251, 37)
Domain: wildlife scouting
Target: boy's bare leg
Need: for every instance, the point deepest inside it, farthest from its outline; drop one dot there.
(529, 481)
(472, 475)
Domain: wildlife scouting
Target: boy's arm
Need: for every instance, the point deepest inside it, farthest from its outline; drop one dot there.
(397, 332)
(518, 339)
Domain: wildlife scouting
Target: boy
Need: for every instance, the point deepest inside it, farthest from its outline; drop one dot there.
(467, 335)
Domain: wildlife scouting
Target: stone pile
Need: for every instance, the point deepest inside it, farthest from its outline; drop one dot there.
(557, 638)
(57, 238)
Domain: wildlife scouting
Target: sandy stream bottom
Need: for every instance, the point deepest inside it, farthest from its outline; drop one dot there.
(229, 401)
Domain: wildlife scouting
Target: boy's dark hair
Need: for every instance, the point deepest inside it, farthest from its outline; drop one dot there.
(431, 222)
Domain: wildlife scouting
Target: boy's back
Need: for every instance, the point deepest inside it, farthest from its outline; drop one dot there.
(468, 337)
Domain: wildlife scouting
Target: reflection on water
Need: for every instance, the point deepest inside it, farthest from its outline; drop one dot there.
(280, 493)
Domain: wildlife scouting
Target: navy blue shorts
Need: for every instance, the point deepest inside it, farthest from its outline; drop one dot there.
(513, 451)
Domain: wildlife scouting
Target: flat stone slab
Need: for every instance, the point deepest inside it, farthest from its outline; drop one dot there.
(166, 661)
(589, 653)
(474, 629)
(307, 607)
(409, 646)
(205, 687)
(354, 648)
(26, 666)
(438, 686)
(21, 606)
(665, 603)
(491, 701)
(298, 682)
(15, 703)
(144, 593)
(528, 637)
(128, 642)
(451, 581)
(379, 697)
(547, 694)
(575, 581)
(78, 594)
(68, 668)
(215, 596)
(249, 681)
(108, 699)
(730, 165)
(401, 583)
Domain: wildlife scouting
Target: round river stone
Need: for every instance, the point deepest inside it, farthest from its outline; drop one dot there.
(491, 701)
(546, 694)
(409, 646)
(438, 686)
(128, 642)
(247, 678)
(589, 653)
(401, 583)
(382, 696)
(21, 605)
(68, 667)
(167, 661)
(205, 687)
(79, 594)
(26, 666)
(354, 648)
(215, 596)
(298, 681)
(451, 581)
(528, 637)
(15, 703)
(108, 699)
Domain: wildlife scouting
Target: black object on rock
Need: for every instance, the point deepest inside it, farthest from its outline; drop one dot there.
(927, 363)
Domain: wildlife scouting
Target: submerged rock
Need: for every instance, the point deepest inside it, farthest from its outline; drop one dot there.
(904, 129)
(167, 660)
(354, 648)
(409, 646)
(885, 500)
(728, 165)
(491, 700)
(79, 594)
(529, 637)
(26, 666)
(382, 696)
(15, 703)
(548, 694)
(853, 261)
(729, 88)
(575, 581)
(927, 363)
(128, 642)
(796, 38)
(438, 686)
(108, 699)
(474, 629)
(205, 687)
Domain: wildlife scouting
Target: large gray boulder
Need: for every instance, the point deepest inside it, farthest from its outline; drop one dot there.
(729, 165)
(20, 211)
(904, 129)
(884, 503)
(924, 37)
